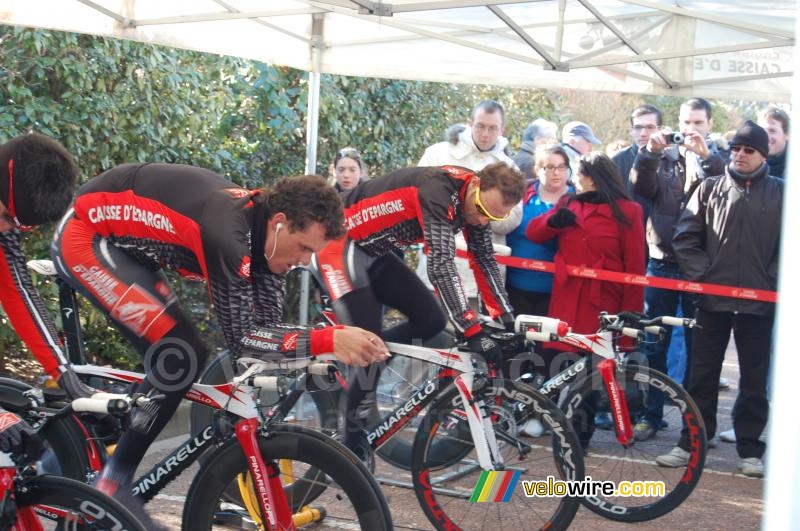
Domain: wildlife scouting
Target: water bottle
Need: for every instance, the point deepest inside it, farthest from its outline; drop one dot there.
(537, 328)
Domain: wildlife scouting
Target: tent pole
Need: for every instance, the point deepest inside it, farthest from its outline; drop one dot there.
(781, 510)
(312, 132)
(562, 6)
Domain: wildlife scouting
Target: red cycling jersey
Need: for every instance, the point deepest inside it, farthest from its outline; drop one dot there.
(192, 221)
(413, 205)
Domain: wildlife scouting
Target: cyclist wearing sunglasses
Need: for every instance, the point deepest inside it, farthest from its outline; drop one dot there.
(37, 182)
(474, 146)
(418, 205)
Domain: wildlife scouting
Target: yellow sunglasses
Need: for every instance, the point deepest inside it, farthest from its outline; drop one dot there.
(482, 209)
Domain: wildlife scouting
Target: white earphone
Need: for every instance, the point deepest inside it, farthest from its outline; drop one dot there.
(278, 227)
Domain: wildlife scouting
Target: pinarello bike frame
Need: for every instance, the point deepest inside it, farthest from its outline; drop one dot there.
(237, 400)
(602, 345)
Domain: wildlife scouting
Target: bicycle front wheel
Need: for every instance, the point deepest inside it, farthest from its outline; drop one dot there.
(308, 461)
(66, 504)
(448, 488)
(608, 460)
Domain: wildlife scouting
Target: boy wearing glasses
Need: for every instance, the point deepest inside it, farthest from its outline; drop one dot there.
(418, 205)
(37, 182)
(729, 234)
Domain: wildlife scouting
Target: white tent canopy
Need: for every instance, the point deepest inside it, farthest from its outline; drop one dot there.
(723, 49)
(715, 48)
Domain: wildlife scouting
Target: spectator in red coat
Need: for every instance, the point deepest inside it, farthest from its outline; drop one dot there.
(601, 228)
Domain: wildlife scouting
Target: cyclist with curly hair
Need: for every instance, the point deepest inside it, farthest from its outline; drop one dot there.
(134, 220)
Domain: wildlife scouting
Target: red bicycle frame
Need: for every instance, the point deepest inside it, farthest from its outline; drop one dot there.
(271, 497)
(26, 519)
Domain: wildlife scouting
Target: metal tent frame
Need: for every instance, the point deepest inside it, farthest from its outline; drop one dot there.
(737, 49)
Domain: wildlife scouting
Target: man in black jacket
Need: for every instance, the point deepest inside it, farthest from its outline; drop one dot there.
(729, 234)
(775, 122)
(667, 175)
(645, 120)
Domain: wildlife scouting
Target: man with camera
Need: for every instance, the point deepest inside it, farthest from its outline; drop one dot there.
(667, 170)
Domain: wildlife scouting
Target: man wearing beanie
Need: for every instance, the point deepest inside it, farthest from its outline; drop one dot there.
(729, 234)
(37, 182)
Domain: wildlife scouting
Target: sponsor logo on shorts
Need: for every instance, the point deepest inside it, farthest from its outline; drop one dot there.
(137, 310)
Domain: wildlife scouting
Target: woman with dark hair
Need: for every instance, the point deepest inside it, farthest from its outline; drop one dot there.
(529, 291)
(600, 227)
(348, 169)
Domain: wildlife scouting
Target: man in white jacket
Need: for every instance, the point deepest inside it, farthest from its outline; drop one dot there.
(477, 146)
(481, 143)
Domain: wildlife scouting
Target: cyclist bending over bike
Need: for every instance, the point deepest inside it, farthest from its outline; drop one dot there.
(37, 182)
(410, 205)
(132, 221)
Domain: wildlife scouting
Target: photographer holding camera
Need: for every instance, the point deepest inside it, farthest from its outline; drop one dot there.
(667, 170)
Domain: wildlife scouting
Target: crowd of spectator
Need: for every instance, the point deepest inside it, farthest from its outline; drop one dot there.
(695, 205)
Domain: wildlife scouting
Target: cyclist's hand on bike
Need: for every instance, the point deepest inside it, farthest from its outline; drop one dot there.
(73, 386)
(17, 436)
(508, 322)
(356, 346)
(487, 347)
(631, 316)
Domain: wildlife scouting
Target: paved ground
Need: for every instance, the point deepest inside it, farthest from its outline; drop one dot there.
(722, 500)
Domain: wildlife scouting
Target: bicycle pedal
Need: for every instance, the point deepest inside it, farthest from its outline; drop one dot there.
(234, 519)
(308, 515)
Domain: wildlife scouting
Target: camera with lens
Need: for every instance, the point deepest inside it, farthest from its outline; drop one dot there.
(673, 138)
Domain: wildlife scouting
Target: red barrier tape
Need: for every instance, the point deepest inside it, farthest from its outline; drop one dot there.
(639, 280)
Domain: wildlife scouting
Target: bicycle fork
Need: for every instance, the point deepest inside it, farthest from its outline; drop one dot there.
(480, 424)
(266, 479)
(619, 404)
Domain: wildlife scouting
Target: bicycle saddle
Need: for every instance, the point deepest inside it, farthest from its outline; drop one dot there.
(43, 267)
(14, 401)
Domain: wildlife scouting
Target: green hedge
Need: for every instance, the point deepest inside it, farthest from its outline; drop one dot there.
(113, 101)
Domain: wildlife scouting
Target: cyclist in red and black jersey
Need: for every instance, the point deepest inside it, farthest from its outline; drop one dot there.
(132, 221)
(410, 205)
(37, 183)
